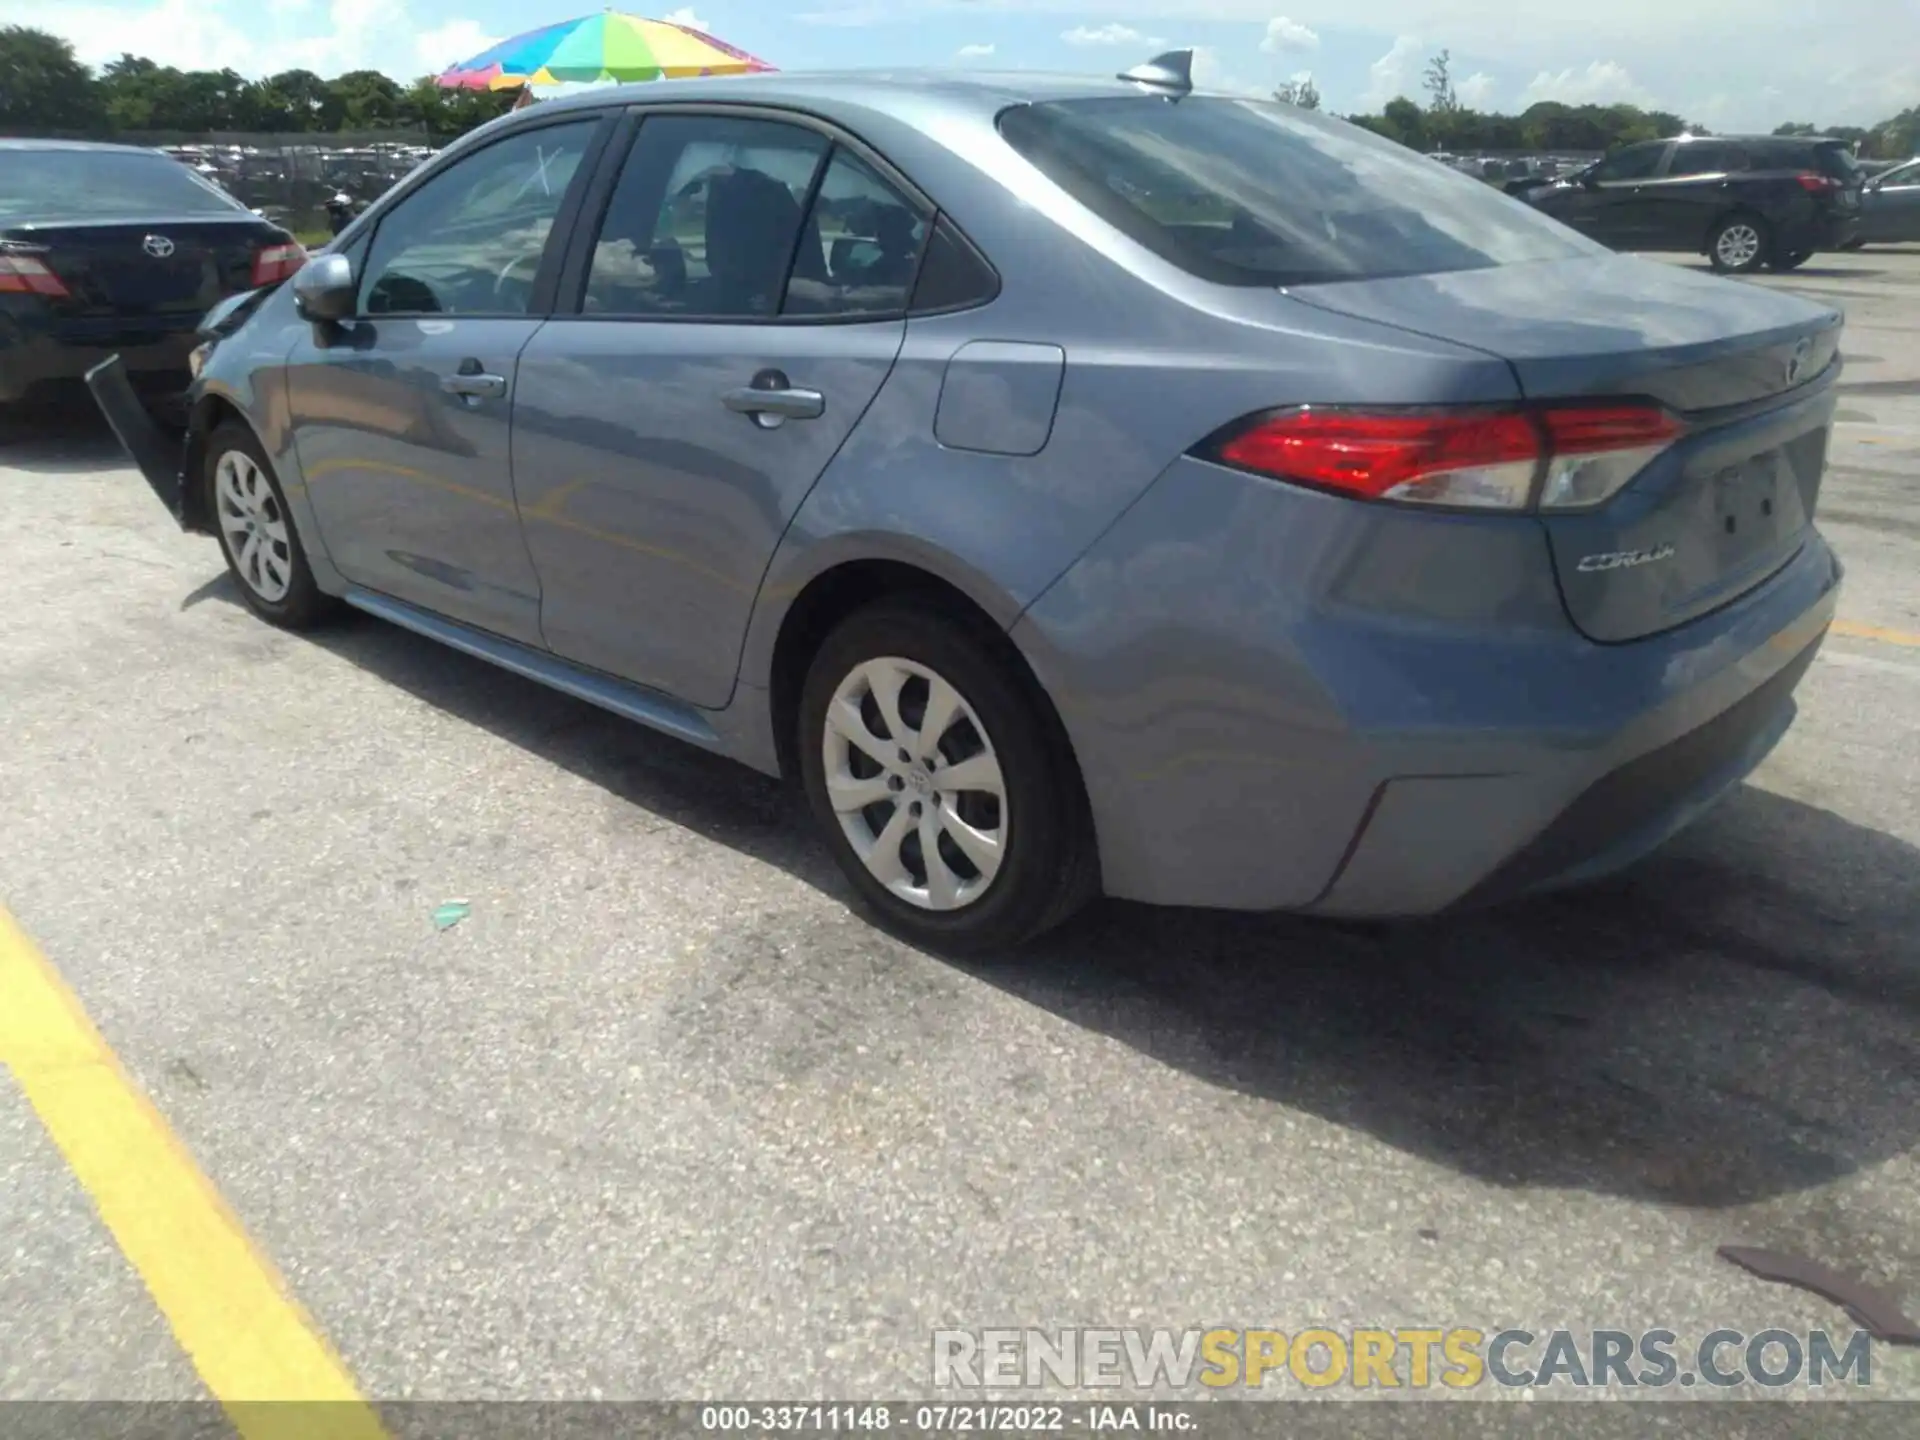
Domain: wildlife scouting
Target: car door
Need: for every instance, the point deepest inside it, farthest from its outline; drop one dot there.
(401, 415)
(739, 305)
(1605, 201)
(1891, 214)
(1678, 206)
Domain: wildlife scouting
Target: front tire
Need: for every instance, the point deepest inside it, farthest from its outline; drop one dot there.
(1793, 260)
(1738, 245)
(257, 537)
(941, 780)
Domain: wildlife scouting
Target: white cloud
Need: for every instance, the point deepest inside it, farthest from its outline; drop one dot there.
(849, 16)
(1285, 34)
(974, 52)
(449, 44)
(1395, 73)
(230, 34)
(1476, 92)
(685, 16)
(1603, 82)
(1107, 35)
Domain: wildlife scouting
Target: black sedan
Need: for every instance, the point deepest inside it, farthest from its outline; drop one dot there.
(107, 250)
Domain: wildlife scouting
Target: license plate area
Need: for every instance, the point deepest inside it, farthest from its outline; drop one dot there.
(1756, 504)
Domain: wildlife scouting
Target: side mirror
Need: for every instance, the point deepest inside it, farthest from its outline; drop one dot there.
(1590, 179)
(325, 289)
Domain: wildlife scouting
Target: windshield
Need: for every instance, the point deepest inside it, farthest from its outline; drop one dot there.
(103, 185)
(1246, 192)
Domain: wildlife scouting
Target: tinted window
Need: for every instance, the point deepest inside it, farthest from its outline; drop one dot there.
(469, 241)
(1706, 159)
(1902, 175)
(861, 246)
(1636, 162)
(1838, 160)
(1247, 192)
(103, 185)
(952, 273)
(705, 219)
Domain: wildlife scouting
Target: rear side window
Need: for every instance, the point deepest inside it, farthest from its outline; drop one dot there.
(104, 185)
(1837, 160)
(1706, 158)
(1245, 192)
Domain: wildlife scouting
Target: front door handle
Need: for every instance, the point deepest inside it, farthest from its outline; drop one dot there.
(770, 399)
(479, 386)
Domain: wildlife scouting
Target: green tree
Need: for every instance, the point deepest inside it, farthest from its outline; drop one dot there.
(43, 86)
(300, 101)
(1405, 123)
(368, 100)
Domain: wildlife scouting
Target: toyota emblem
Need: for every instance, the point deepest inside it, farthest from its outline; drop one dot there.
(158, 246)
(1797, 360)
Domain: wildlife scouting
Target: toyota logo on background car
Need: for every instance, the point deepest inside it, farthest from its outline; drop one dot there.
(158, 246)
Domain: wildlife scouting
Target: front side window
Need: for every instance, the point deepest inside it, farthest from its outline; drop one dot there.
(1636, 162)
(469, 241)
(1245, 192)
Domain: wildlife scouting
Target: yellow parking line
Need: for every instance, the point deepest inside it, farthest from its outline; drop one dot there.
(253, 1345)
(1875, 632)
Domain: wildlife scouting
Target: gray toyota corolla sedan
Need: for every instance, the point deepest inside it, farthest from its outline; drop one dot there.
(1083, 486)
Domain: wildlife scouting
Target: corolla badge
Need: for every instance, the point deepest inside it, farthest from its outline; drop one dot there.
(158, 246)
(1624, 559)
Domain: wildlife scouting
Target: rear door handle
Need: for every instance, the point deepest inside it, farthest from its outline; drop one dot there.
(475, 386)
(770, 399)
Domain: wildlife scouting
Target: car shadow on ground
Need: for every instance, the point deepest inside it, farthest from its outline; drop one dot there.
(1735, 1020)
(58, 434)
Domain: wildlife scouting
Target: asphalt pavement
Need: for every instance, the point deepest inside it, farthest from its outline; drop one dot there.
(662, 1117)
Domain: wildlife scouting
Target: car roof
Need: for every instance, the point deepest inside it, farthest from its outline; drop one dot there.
(966, 91)
(1760, 139)
(20, 143)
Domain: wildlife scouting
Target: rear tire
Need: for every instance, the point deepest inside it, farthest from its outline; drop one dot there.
(960, 821)
(1854, 244)
(1738, 244)
(1791, 261)
(257, 537)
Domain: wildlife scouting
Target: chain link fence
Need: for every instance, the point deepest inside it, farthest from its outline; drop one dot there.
(290, 178)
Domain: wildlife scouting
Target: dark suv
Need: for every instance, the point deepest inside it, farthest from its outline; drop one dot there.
(1742, 201)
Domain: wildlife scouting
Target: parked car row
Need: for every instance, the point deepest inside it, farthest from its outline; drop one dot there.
(1742, 201)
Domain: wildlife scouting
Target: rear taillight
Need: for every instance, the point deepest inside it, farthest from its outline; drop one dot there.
(1817, 184)
(1564, 457)
(275, 263)
(24, 275)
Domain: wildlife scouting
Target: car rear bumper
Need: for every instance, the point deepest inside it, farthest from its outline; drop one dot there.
(1271, 711)
(1823, 232)
(154, 361)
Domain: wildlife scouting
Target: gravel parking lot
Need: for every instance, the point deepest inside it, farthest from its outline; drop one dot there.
(662, 1117)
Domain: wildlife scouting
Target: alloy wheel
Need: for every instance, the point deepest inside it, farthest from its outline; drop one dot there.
(1738, 245)
(915, 783)
(254, 526)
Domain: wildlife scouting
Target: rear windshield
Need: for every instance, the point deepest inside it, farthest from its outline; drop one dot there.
(103, 185)
(1246, 192)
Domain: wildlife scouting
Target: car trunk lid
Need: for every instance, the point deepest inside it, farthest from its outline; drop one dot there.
(1749, 371)
(160, 269)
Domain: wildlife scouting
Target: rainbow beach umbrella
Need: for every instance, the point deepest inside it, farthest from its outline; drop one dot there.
(609, 46)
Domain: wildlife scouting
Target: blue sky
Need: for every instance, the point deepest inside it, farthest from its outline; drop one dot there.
(1729, 64)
